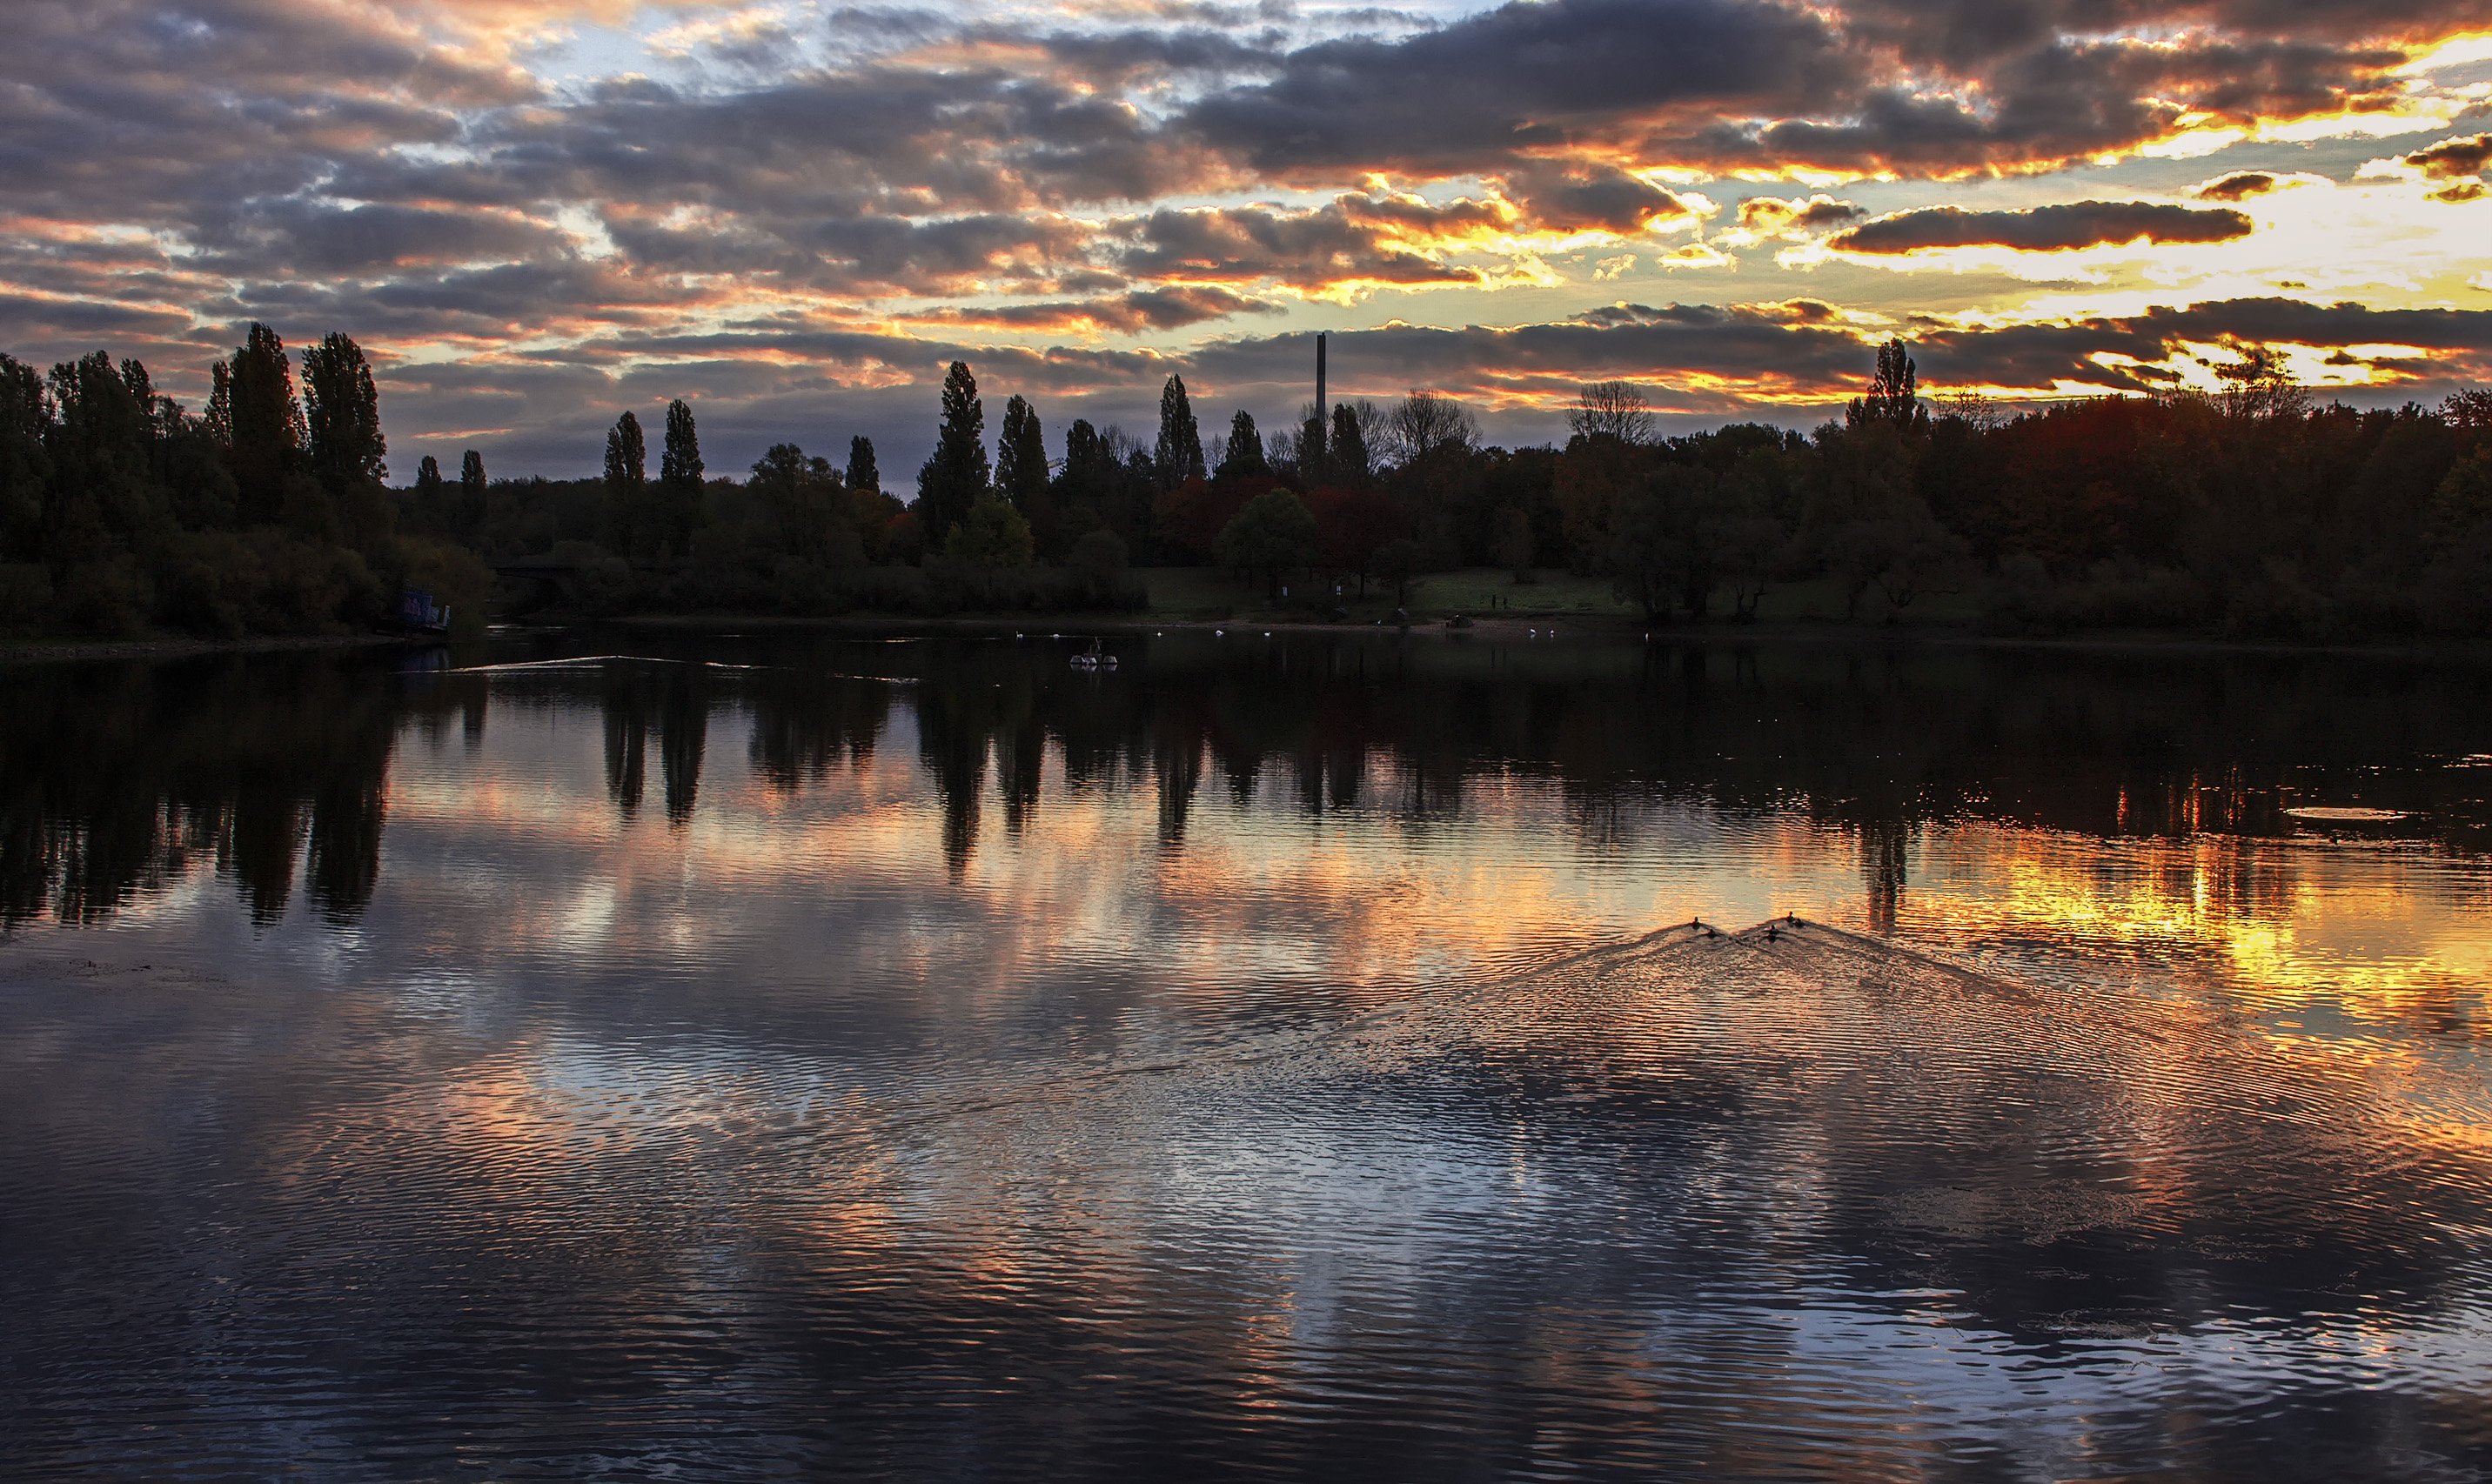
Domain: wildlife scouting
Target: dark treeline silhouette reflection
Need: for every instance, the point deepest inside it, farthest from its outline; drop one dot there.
(1879, 741)
(119, 780)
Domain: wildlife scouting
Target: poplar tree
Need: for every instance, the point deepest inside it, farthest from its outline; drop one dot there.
(1021, 457)
(626, 486)
(265, 423)
(627, 455)
(1178, 457)
(428, 478)
(679, 464)
(342, 416)
(1894, 394)
(219, 414)
(25, 469)
(471, 492)
(957, 473)
(680, 478)
(862, 473)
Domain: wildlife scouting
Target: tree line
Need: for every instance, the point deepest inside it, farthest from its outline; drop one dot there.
(2252, 510)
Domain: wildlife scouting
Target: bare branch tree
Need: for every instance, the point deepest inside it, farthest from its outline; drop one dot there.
(1424, 422)
(1611, 409)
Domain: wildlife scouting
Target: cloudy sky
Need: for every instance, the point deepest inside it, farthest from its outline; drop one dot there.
(537, 213)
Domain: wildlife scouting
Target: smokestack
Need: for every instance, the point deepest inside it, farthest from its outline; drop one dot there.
(1324, 411)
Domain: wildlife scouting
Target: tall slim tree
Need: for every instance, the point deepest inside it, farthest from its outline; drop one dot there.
(342, 416)
(1243, 457)
(471, 493)
(1021, 457)
(680, 461)
(627, 487)
(679, 480)
(862, 472)
(26, 466)
(627, 453)
(957, 473)
(1178, 455)
(266, 423)
(219, 419)
(428, 478)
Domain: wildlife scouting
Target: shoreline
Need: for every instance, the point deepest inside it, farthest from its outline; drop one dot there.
(1557, 628)
(1537, 629)
(52, 650)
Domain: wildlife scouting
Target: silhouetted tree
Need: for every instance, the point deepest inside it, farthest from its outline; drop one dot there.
(806, 506)
(627, 487)
(218, 418)
(472, 490)
(1243, 456)
(1178, 455)
(1893, 397)
(862, 473)
(1426, 422)
(342, 416)
(680, 481)
(25, 469)
(1021, 457)
(956, 474)
(266, 423)
(1613, 410)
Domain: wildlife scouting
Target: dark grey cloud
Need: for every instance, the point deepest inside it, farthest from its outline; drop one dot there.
(2239, 186)
(1352, 238)
(2066, 100)
(2452, 159)
(2059, 228)
(1171, 308)
(317, 238)
(865, 254)
(1593, 196)
(1521, 78)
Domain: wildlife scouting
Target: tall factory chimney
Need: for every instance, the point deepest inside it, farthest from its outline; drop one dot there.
(1323, 409)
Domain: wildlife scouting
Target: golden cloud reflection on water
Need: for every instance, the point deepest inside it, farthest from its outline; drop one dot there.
(1260, 884)
(2381, 933)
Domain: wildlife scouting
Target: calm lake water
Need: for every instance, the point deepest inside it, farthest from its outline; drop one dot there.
(787, 1057)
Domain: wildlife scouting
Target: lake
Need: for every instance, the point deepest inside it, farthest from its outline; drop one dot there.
(786, 1054)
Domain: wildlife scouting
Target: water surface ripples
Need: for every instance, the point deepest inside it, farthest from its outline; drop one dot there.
(770, 1057)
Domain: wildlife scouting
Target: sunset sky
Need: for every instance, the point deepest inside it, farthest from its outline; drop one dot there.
(537, 213)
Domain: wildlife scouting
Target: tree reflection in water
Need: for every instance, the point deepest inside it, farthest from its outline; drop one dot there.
(120, 778)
